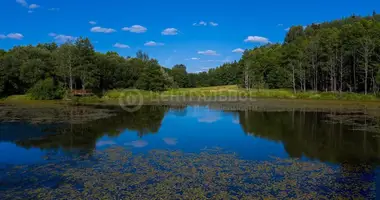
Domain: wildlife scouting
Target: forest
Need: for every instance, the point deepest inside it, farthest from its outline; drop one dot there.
(338, 56)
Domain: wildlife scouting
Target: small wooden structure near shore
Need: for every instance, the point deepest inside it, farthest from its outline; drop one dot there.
(82, 93)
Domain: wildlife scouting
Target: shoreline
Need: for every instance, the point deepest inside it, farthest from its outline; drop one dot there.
(261, 103)
(37, 111)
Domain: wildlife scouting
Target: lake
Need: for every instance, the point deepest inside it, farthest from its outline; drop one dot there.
(190, 152)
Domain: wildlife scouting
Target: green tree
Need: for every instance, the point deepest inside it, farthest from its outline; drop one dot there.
(179, 75)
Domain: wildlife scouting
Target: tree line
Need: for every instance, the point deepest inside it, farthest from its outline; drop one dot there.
(54, 70)
(338, 56)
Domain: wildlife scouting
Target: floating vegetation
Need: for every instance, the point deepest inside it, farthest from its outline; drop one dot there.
(358, 121)
(116, 173)
(52, 113)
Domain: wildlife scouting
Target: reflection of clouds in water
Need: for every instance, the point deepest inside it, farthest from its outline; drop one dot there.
(209, 119)
(104, 143)
(236, 121)
(205, 115)
(137, 143)
(170, 141)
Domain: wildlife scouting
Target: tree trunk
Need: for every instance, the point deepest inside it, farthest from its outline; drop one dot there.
(331, 77)
(366, 71)
(315, 74)
(246, 79)
(341, 71)
(354, 64)
(294, 81)
(70, 74)
(304, 80)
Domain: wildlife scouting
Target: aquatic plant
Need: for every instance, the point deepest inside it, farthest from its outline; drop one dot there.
(116, 173)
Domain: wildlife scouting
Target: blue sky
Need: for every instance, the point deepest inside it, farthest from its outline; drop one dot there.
(199, 33)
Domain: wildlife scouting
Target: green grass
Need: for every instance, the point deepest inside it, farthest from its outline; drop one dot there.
(234, 91)
(210, 92)
(23, 97)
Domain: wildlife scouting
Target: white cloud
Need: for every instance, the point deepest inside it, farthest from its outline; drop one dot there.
(258, 39)
(153, 43)
(53, 9)
(201, 23)
(121, 46)
(208, 53)
(170, 31)
(30, 11)
(194, 58)
(227, 59)
(214, 24)
(15, 36)
(92, 22)
(99, 29)
(135, 29)
(22, 2)
(33, 6)
(238, 50)
(215, 61)
(280, 24)
(59, 38)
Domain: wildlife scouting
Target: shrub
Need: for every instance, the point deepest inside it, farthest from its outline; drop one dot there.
(46, 90)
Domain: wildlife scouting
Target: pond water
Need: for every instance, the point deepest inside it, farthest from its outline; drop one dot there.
(190, 152)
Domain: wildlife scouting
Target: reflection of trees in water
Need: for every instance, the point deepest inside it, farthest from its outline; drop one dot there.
(147, 120)
(178, 110)
(306, 133)
(302, 133)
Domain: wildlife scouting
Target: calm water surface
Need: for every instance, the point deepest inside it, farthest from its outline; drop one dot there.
(169, 149)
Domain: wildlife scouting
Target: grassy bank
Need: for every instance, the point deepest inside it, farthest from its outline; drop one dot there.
(225, 93)
(234, 91)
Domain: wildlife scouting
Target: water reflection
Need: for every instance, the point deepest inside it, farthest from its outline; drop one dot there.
(172, 152)
(84, 136)
(298, 134)
(308, 134)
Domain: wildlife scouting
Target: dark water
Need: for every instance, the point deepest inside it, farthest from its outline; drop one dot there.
(167, 150)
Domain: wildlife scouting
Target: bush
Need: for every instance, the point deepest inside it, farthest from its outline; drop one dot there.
(46, 90)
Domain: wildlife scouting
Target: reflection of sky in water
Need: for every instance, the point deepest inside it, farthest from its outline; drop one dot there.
(11, 153)
(137, 143)
(105, 143)
(201, 128)
(190, 129)
(170, 141)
